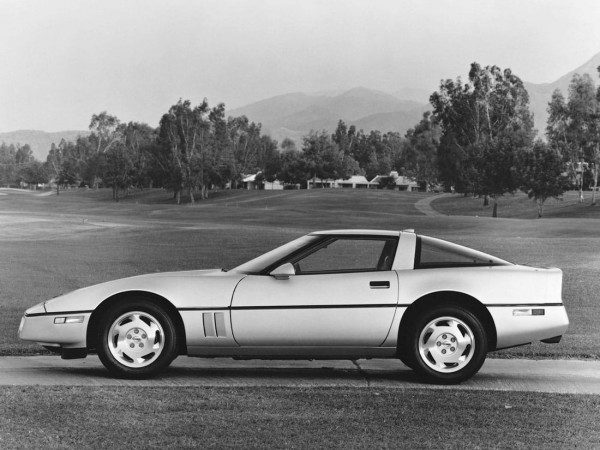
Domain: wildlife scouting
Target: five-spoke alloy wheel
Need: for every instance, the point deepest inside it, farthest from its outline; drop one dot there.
(447, 344)
(136, 339)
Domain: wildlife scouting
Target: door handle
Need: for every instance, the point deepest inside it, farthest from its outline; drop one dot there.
(379, 284)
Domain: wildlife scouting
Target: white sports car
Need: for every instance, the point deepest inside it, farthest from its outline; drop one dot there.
(341, 294)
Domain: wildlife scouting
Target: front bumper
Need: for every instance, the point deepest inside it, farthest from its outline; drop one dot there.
(41, 328)
(517, 328)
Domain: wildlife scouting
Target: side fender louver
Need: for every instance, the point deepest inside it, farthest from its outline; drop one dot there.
(214, 324)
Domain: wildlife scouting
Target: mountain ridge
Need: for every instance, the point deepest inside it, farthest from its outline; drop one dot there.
(40, 141)
(540, 93)
(295, 114)
(291, 116)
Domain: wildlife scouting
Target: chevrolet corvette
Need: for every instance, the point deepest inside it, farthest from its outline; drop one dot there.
(342, 294)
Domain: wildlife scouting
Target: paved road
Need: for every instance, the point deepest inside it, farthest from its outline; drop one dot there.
(424, 205)
(562, 376)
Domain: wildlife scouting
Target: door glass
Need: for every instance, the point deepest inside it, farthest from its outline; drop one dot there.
(349, 255)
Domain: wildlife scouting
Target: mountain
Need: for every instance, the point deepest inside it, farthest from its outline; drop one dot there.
(40, 141)
(294, 115)
(540, 94)
(417, 95)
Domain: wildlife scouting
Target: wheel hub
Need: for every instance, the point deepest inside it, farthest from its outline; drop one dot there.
(446, 343)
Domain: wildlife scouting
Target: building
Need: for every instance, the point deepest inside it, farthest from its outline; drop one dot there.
(401, 183)
(314, 183)
(251, 183)
(354, 182)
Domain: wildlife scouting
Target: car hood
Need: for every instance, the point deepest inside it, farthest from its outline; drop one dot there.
(187, 289)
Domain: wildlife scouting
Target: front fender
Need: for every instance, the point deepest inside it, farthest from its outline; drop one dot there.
(192, 289)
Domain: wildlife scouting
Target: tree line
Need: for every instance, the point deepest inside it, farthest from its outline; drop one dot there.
(17, 165)
(478, 139)
(196, 148)
(487, 145)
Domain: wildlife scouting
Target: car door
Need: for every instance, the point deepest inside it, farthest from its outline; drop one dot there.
(343, 293)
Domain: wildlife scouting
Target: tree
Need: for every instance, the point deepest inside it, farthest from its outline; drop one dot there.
(104, 128)
(137, 139)
(68, 173)
(244, 139)
(220, 163)
(558, 123)
(344, 137)
(294, 168)
(596, 148)
(185, 130)
(324, 158)
(375, 154)
(542, 174)
(387, 182)
(106, 132)
(24, 154)
(419, 157)
(287, 144)
(268, 158)
(485, 123)
(7, 164)
(54, 162)
(33, 173)
(573, 126)
(394, 142)
(454, 111)
(119, 168)
(370, 153)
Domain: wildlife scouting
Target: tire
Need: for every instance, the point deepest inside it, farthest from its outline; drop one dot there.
(403, 354)
(136, 339)
(446, 345)
(405, 361)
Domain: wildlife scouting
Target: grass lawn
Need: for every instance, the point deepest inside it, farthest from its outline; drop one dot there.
(124, 417)
(53, 244)
(520, 206)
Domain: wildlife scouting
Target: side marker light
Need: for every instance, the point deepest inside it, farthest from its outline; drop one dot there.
(71, 319)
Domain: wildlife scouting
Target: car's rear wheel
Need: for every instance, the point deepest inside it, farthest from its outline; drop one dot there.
(447, 345)
(136, 339)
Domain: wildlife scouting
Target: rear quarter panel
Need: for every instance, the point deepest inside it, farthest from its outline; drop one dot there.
(501, 289)
(512, 284)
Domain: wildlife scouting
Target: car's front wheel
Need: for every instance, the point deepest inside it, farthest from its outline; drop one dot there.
(447, 344)
(137, 339)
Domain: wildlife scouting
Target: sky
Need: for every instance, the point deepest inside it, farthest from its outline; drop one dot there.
(63, 60)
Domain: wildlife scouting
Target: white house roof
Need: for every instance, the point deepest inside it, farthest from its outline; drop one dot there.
(355, 179)
(399, 180)
(249, 178)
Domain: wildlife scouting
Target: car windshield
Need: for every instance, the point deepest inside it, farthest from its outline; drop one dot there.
(260, 263)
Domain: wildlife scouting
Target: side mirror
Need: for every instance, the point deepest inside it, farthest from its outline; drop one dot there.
(283, 272)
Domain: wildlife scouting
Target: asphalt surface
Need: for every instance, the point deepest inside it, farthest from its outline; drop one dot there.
(560, 376)
(424, 205)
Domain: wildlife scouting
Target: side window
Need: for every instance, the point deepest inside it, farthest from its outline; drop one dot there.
(436, 254)
(349, 255)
